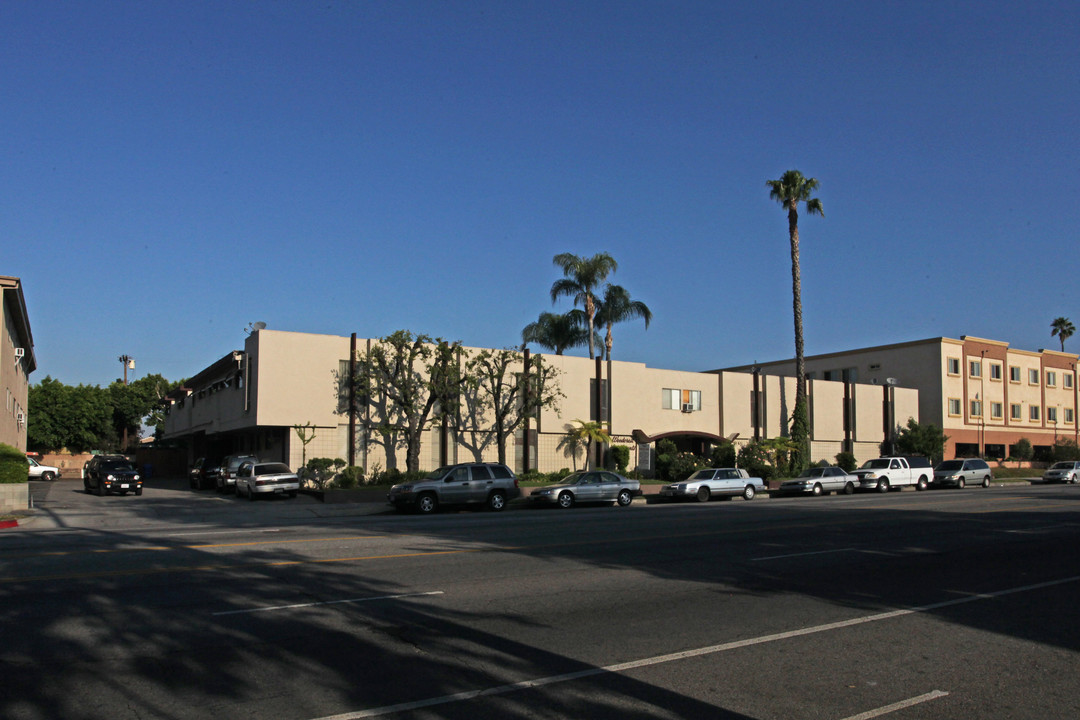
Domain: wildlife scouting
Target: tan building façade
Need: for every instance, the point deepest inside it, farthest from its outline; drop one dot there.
(251, 400)
(985, 395)
(17, 361)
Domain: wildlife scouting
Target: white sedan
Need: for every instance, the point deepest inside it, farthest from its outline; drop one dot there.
(269, 478)
(714, 482)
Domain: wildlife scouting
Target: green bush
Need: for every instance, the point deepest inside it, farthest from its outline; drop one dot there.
(723, 455)
(846, 461)
(350, 477)
(620, 457)
(1065, 449)
(13, 465)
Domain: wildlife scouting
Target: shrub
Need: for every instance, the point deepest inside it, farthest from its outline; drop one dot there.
(620, 456)
(13, 465)
(350, 477)
(321, 471)
(723, 455)
(683, 465)
(846, 461)
(1065, 449)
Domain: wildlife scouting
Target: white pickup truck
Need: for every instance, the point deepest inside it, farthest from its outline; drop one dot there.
(886, 473)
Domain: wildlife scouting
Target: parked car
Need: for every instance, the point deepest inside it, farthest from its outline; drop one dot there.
(204, 473)
(587, 487)
(714, 482)
(1067, 471)
(961, 472)
(887, 473)
(491, 484)
(266, 478)
(111, 473)
(226, 478)
(820, 481)
(41, 472)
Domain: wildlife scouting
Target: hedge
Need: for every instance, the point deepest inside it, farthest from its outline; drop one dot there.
(13, 465)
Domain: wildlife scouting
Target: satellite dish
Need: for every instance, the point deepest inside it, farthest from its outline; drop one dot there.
(258, 325)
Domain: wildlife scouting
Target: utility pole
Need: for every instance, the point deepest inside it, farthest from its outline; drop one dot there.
(128, 362)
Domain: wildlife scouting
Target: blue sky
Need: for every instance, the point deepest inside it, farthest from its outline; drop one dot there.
(175, 171)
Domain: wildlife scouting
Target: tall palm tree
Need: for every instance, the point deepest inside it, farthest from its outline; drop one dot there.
(582, 277)
(587, 434)
(616, 307)
(790, 190)
(557, 332)
(1063, 329)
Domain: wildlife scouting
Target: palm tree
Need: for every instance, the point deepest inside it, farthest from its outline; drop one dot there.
(582, 277)
(790, 190)
(585, 433)
(617, 307)
(557, 332)
(1063, 329)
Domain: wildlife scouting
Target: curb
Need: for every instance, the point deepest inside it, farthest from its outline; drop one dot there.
(8, 524)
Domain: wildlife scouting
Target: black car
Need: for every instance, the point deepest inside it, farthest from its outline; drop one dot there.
(204, 473)
(111, 473)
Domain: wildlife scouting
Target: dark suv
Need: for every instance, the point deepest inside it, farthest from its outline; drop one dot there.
(490, 484)
(226, 478)
(203, 474)
(111, 473)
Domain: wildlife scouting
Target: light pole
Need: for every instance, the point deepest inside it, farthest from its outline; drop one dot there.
(128, 362)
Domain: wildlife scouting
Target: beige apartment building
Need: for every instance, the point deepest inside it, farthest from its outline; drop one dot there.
(17, 361)
(985, 395)
(252, 400)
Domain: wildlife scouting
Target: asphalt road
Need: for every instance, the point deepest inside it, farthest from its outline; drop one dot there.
(946, 604)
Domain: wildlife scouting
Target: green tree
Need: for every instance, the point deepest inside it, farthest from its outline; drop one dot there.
(1063, 329)
(585, 433)
(1022, 451)
(846, 461)
(583, 277)
(925, 440)
(616, 307)
(493, 390)
(790, 190)
(13, 465)
(78, 418)
(558, 332)
(414, 374)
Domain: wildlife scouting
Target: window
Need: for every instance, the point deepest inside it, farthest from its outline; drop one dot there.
(1051, 414)
(1051, 379)
(1014, 412)
(1033, 377)
(995, 410)
(1033, 413)
(954, 366)
(1066, 381)
(975, 368)
(954, 407)
(1014, 374)
(674, 399)
(995, 371)
(976, 408)
(1068, 416)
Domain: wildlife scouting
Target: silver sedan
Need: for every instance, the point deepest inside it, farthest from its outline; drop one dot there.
(586, 487)
(820, 481)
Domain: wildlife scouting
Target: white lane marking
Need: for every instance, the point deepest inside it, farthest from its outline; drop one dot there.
(686, 654)
(899, 705)
(328, 602)
(803, 554)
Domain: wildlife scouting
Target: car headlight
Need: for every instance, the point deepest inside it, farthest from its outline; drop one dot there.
(110, 478)
(135, 478)
(543, 492)
(870, 476)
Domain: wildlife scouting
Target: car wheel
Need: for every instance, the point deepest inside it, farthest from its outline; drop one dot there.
(625, 498)
(496, 501)
(566, 499)
(922, 484)
(427, 503)
(817, 489)
(86, 487)
(100, 490)
(960, 484)
(883, 486)
(749, 492)
(986, 481)
(703, 494)
(849, 488)
(139, 491)
(48, 476)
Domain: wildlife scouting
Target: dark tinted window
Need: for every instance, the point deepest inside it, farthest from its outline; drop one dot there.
(480, 472)
(114, 465)
(272, 469)
(502, 472)
(951, 465)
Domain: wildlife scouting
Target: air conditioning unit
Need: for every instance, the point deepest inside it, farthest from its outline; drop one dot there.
(687, 407)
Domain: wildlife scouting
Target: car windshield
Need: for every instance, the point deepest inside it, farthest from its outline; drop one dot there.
(702, 475)
(1062, 466)
(114, 465)
(951, 465)
(875, 464)
(813, 472)
(272, 469)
